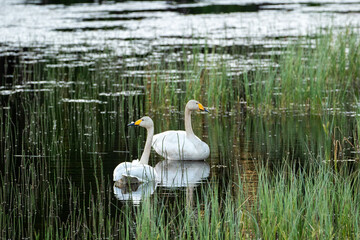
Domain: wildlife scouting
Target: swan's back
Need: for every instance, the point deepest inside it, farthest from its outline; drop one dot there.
(176, 145)
(134, 169)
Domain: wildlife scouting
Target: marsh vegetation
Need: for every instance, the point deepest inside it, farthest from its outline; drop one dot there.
(283, 133)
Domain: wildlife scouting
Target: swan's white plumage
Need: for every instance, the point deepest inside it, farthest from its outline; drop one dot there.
(134, 169)
(175, 145)
(138, 169)
(182, 145)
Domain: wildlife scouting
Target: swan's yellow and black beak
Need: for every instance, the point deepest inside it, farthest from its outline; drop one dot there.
(201, 107)
(137, 123)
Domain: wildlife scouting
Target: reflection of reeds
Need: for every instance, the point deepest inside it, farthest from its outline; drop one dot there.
(44, 194)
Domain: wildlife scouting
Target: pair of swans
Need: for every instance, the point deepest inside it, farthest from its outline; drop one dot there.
(173, 145)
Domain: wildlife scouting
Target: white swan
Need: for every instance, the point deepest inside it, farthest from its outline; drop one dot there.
(138, 170)
(182, 145)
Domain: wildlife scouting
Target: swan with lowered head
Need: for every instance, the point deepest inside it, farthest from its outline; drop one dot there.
(138, 170)
(182, 145)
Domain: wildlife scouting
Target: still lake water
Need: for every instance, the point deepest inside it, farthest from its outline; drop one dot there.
(36, 36)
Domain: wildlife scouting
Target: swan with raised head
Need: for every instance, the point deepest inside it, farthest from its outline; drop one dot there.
(182, 145)
(138, 170)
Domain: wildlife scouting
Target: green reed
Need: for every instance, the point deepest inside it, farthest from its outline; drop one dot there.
(40, 134)
(313, 75)
(313, 203)
(54, 182)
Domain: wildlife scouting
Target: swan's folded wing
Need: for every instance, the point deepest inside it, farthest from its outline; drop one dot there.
(169, 144)
(174, 145)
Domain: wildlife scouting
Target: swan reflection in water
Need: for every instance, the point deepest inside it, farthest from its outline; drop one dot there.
(133, 190)
(182, 174)
(176, 174)
(170, 174)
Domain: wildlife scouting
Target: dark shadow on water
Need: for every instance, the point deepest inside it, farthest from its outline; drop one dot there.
(120, 18)
(69, 2)
(195, 9)
(65, 2)
(208, 9)
(84, 29)
(220, 9)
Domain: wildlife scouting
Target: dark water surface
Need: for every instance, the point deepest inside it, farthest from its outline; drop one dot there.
(48, 69)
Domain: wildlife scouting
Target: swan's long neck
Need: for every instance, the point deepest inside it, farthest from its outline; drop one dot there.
(188, 129)
(146, 154)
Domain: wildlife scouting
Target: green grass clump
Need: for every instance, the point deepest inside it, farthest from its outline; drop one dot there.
(313, 75)
(309, 204)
